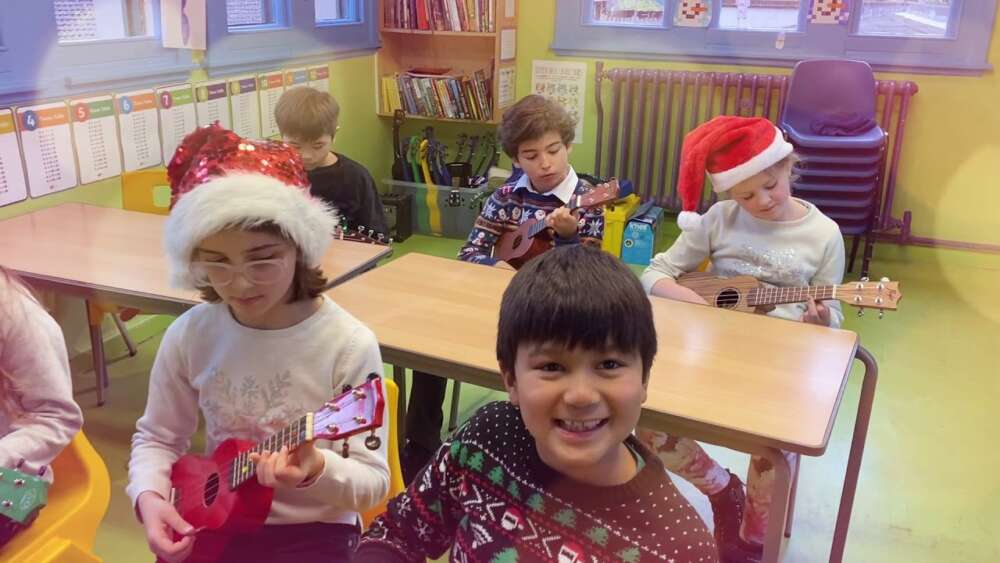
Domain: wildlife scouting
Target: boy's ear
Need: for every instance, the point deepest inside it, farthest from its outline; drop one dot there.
(569, 149)
(509, 383)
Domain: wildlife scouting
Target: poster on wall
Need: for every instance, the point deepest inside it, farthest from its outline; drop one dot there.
(139, 127)
(296, 77)
(565, 82)
(47, 143)
(271, 87)
(319, 78)
(182, 23)
(96, 136)
(12, 185)
(245, 106)
(212, 104)
(507, 87)
(177, 116)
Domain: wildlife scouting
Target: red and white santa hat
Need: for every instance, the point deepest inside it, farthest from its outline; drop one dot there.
(219, 180)
(731, 149)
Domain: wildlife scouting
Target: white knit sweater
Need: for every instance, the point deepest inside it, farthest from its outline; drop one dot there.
(38, 416)
(250, 383)
(807, 251)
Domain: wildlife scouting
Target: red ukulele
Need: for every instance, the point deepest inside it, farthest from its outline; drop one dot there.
(533, 236)
(221, 492)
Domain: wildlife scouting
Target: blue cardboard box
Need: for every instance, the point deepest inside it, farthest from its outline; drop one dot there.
(641, 235)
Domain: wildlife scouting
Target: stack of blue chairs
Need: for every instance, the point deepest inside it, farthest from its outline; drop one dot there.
(829, 117)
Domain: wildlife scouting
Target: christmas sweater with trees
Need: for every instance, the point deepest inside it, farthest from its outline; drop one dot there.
(517, 202)
(487, 497)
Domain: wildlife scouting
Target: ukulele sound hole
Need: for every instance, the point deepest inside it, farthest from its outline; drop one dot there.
(727, 298)
(211, 489)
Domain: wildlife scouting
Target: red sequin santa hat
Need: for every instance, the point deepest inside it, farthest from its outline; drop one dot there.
(219, 180)
(731, 149)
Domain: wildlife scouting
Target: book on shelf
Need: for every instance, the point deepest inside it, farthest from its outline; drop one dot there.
(439, 96)
(476, 16)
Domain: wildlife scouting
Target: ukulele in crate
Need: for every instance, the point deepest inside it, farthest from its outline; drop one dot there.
(534, 237)
(361, 234)
(221, 493)
(747, 294)
(22, 496)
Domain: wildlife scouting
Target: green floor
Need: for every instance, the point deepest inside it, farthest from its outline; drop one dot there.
(928, 489)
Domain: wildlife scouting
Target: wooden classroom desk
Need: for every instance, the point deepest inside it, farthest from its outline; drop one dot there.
(747, 382)
(116, 256)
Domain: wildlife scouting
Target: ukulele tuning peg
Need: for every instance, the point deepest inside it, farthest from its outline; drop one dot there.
(861, 312)
(346, 388)
(6, 504)
(42, 470)
(20, 462)
(884, 279)
(881, 314)
(372, 376)
(373, 442)
(345, 451)
(865, 279)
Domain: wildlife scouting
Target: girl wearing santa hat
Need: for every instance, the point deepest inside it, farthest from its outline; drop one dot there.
(760, 230)
(265, 348)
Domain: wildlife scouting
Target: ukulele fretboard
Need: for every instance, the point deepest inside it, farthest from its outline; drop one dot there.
(780, 295)
(243, 468)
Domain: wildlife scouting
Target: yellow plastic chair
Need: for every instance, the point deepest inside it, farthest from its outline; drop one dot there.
(78, 499)
(395, 472)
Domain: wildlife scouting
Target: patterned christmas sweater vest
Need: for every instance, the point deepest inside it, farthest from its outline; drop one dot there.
(510, 206)
(489, 498)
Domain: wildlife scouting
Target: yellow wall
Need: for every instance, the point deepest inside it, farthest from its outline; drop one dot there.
(951, 152)
(361, 136)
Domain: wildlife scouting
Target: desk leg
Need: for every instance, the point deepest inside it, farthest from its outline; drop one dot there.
(399, 377)
(857, 450)
(779, 504)
(791, 497)
(97, 351)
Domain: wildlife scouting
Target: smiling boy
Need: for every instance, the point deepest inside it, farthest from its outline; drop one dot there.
(555, 473)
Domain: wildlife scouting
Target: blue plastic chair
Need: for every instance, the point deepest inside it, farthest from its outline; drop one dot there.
(830, 87)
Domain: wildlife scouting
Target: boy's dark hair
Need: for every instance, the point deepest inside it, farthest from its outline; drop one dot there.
(530, 118)
(308, 283)
(307, 114)
(579, 297)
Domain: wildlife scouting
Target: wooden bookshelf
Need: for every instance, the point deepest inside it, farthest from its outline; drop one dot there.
(463, 52)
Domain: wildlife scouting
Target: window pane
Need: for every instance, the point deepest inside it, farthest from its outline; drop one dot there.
(94, 20)
(628, 12)
(761, 15)
(333, 10)
(247, 12)
(907, 18)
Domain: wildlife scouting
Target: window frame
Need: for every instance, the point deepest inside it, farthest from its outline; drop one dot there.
(964, 51)
(34, 65)
(298, 40)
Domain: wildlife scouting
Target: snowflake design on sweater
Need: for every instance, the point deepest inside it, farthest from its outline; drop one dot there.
(249, 408)
(778, 266)
(489, 210)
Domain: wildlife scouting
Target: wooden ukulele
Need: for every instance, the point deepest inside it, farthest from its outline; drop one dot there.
(746, 293)
(22, 496)
(533, 236)
(221, 493)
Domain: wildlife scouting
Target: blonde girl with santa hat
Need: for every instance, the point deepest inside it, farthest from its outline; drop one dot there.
(757, 229)
(264, 348)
